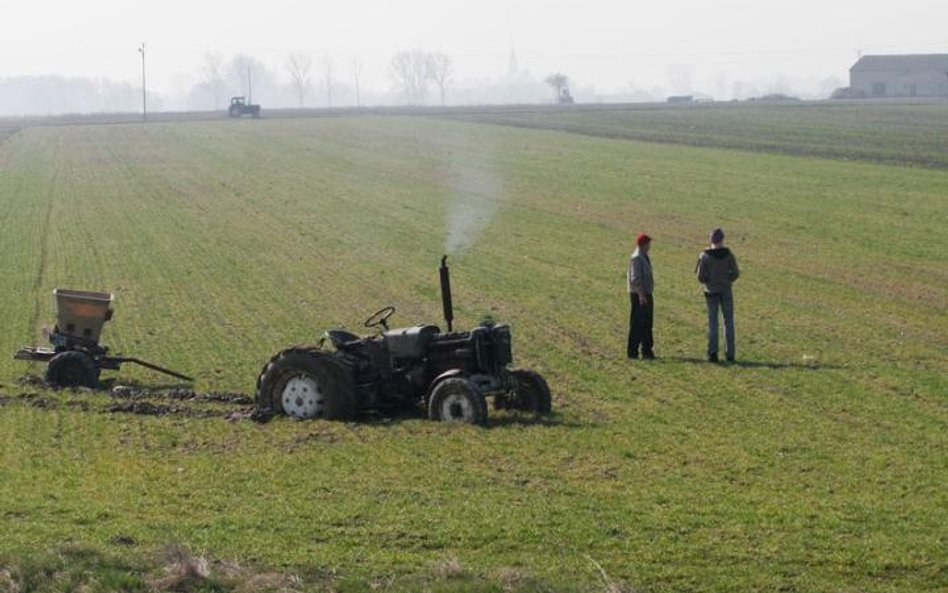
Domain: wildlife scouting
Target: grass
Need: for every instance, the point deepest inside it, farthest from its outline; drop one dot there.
(888, 132)
(816, 464)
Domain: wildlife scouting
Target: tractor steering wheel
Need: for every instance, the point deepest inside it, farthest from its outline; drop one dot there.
(380, 317)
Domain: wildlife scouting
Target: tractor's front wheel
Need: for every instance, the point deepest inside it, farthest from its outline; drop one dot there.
(307, 383)
(72, 368)
(457, 400)
(532, 393)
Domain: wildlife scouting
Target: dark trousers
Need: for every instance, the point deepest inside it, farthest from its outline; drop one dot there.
(725, 302)
(640, 326)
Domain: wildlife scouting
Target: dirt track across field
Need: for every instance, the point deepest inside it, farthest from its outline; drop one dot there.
(134, 399)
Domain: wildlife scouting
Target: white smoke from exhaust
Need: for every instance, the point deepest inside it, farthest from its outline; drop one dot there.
(476, 194)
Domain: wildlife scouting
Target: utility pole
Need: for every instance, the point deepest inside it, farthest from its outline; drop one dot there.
(356, 74)
(249, 85)
(141, 50)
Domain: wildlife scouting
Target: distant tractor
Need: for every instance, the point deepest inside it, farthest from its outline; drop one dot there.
(450, 374)
(239, 107)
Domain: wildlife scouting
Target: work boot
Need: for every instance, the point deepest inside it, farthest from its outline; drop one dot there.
(713, 357)
(648, 356)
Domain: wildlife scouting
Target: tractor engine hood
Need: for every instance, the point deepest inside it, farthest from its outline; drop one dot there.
(409, 342)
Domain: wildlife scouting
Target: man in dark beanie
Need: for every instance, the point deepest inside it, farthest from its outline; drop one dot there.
(717, 270)
(640, 294)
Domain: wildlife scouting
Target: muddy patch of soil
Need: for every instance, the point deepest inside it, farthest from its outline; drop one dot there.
(132, 392)
(43, 403)
(145, 408)
(255, 414)
(142, 400)
(32, 381)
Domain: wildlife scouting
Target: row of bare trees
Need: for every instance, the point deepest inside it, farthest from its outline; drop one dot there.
(299, 67)
(241, 73)
(413, 71)
(244, 72)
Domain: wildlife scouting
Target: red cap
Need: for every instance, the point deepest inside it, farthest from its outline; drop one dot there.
(642, 239)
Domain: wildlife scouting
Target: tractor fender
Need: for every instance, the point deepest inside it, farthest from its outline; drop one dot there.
(445, 375)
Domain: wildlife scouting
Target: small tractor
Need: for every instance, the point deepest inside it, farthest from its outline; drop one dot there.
(239, 107)
(77, 358)
(450, 374)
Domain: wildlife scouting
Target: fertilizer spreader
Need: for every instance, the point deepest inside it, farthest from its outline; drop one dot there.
(77, 358)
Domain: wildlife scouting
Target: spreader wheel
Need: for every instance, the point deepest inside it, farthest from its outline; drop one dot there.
(72, 369)
(532, 393)
(457, 400)
(307, 383)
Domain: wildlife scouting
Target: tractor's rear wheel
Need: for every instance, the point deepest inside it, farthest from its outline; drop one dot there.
(307, 383)
(532, 393)
(72, 369)
(457, 400)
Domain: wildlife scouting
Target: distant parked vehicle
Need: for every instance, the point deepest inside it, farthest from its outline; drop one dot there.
(775, 97)
(239, 107)
(849, 93)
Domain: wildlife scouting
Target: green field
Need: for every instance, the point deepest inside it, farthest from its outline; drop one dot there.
(896, 133)
(817, 463)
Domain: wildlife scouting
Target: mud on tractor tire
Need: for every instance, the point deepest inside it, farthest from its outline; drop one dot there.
(72, 368)
(307, 383)
(532, 393)
(457, 400)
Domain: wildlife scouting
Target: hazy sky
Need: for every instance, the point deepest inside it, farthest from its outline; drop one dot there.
(596, 42)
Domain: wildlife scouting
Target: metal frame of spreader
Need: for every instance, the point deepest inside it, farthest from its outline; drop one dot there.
(81, 316)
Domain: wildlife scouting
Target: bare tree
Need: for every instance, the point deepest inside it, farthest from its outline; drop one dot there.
(249, 75)
(440, 70)
(298, 66)
(328, 78)
(212, 73)
(411, 72)
(356, 77)
(680, 77)
(560, 84)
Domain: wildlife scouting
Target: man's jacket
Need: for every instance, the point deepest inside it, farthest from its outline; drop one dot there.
(640, 273)
(717, 269)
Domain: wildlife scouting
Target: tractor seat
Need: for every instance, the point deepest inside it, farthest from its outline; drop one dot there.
(341, 339)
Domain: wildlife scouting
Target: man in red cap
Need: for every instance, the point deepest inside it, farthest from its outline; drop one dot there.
(640, 294)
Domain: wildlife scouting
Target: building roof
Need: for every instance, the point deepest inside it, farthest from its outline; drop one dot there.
(903, 62)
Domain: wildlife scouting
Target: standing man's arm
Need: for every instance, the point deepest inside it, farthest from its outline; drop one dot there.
(702, 269)
(636, 276)
(735, 272)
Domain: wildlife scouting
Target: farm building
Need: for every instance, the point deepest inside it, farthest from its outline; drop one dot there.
(920, 75)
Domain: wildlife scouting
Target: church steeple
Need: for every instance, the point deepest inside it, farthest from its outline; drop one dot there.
(513, 66)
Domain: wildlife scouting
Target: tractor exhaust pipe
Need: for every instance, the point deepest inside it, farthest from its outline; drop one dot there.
(446, 293)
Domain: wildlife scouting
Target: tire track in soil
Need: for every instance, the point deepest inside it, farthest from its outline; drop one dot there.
(145, 402)
(45, 234)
